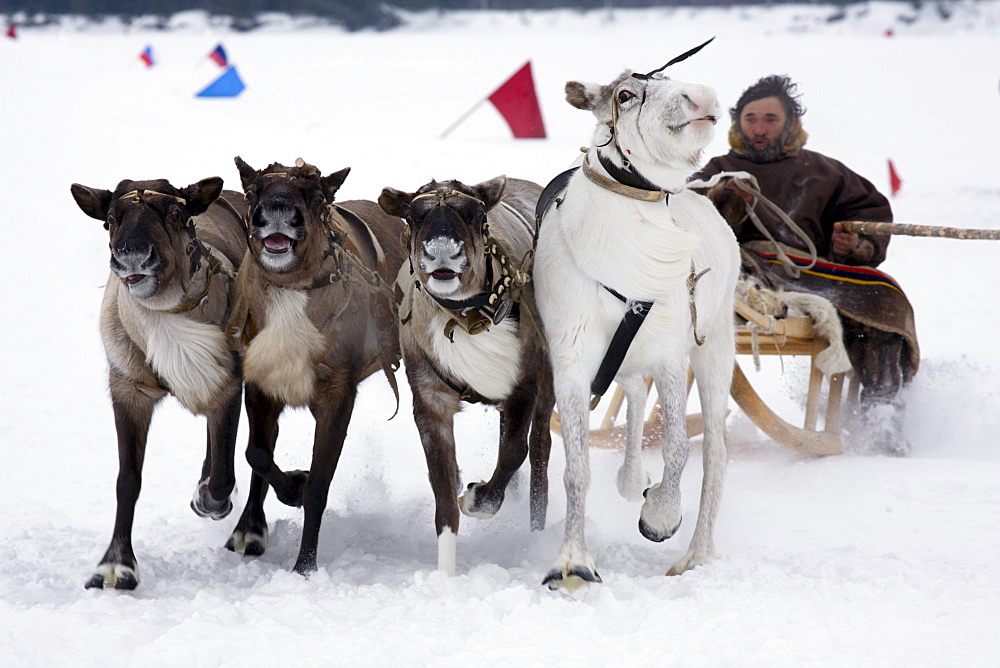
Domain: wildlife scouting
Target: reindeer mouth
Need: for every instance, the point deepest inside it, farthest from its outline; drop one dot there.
(676, 128)
(277, 244)
(443, 274)
(141, 286)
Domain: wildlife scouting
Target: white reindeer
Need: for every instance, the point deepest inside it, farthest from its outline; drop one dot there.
(626, 224)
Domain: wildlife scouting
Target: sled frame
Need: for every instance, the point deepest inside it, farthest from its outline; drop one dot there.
(790, 336)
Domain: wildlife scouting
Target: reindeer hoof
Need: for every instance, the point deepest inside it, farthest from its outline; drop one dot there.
(116, 577)
(479, 506)
(574, 578)
(305, 566)
(632, 484)
(247, 543)
(205, 505)
(656, 536)
(689, 561)
(202, 510)
(292, 495)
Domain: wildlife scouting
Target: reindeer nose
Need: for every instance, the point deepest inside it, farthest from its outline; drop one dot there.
(137, 249)
(279, 207)
(701, 99)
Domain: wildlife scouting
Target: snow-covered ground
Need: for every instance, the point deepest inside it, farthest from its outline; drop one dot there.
(849, 560)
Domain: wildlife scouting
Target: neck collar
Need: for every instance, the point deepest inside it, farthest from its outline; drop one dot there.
(627, 187)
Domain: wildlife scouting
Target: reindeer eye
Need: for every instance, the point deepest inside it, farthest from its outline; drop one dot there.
(174, 215)
(318, 198)
(624, 96)
(109, 222)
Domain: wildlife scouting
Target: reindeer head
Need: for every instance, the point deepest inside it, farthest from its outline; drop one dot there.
(288, 205)
(447, 224)
(151, 228)
(655, 124)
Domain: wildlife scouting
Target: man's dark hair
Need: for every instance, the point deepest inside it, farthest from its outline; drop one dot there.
(777, 86)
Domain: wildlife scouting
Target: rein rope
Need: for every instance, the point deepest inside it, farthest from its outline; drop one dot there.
(747, 183)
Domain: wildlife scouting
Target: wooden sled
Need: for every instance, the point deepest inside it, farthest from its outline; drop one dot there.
(790, 336)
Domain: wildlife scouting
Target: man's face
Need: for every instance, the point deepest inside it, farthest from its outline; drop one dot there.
(763, 124)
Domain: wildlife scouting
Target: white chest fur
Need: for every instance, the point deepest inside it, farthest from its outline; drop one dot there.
(281, 358)
(191, 357)
(489, 363)
(635, 247)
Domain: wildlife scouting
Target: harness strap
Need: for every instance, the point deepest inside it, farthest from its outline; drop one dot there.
(214, 267)
(629, 177)
(465, 393)
(551, 193)
(368, 261)
(620, 342)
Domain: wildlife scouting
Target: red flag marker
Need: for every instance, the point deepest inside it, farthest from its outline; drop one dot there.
(12, 31)
(517, 102)
(895, 183)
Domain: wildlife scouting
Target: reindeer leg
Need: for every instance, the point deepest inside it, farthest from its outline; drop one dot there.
(434, 415)
(262, 415)
(632, 478)
(574, 566)
(212, 495)
(661, 513)
(713, 369)
(133, 408)
(483, 499)
(539, 448)
(249, 536)
(333, 414)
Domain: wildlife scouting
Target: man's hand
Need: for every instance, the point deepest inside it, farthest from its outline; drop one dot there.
(843, 244)
(742, 194)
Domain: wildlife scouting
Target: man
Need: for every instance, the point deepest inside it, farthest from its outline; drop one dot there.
(817, 193)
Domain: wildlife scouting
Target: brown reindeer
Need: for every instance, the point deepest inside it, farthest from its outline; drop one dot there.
(174, 254)
(469, 334)
(318, 317)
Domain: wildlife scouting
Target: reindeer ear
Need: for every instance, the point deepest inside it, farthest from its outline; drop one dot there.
(491, 191)
(582, 95)
(247, 173)
(200, 195)
(93, 201)
(395, 202)
(333, 182)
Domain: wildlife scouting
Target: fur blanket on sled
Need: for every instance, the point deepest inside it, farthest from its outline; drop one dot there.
(863, 294)
(780, 303)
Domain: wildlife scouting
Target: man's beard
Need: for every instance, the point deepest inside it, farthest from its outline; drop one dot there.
(769, 153)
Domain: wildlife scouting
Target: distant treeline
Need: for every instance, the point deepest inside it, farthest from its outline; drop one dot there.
(353, 14)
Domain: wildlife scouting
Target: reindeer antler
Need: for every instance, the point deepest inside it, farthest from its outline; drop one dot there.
(683, 56)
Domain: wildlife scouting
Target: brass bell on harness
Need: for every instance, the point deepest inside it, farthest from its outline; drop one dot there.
(476, 322)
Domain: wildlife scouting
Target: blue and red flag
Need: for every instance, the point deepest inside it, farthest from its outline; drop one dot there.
(147, 56)
(218, 54)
